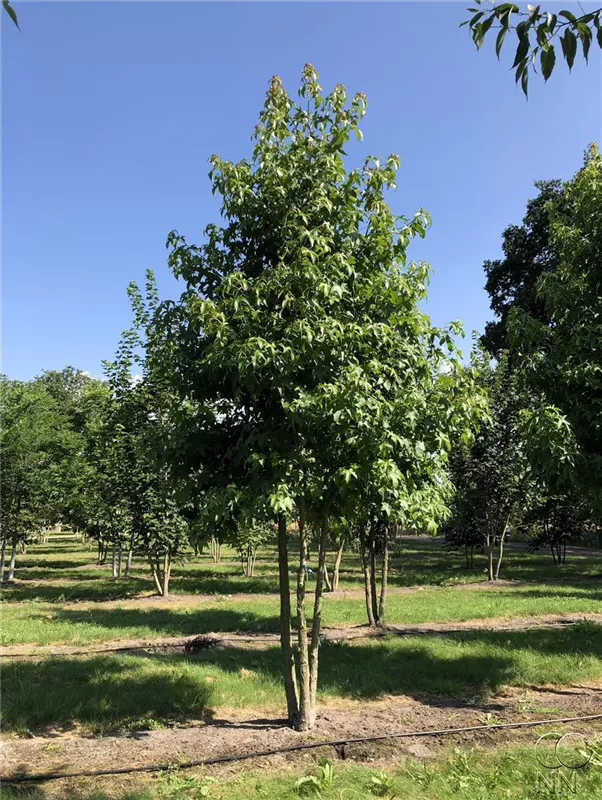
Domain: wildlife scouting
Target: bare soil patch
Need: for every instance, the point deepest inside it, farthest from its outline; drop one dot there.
(235, 732)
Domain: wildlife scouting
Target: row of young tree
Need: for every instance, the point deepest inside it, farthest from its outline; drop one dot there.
(297, 386)
(536, 470)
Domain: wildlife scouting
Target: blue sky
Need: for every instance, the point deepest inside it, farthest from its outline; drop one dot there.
(111, 110)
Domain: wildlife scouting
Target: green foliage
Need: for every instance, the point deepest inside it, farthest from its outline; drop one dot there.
(528, 253)
(491, 476)
(315, 784)
(538, 32)
(300, 334)
(560, 362)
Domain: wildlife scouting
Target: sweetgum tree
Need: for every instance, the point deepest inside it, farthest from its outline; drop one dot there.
(310, 377)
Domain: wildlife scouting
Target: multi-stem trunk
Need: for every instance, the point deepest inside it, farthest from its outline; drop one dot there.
(501, 550)
(288, 658)
(384, 579)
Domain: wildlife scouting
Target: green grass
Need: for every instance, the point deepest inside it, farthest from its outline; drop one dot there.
(66, 572)
(476, 774)
(123, 691)
(45, 623)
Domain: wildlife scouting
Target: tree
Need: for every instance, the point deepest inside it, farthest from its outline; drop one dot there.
(300, 346)
(554, 522)
(561, 363)
(35, 441)
(528, 254)
(491, 476)
(544, 26)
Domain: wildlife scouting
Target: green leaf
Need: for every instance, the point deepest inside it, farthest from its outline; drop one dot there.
(551, 20)
(524, 81)
(569, 47)
(11, 12)
(568, 15)
(547, 61)
(585, 35)
(533, 12)
(500, 41)
(523, 45)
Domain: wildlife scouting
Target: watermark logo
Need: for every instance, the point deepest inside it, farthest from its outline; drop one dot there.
(562, 755)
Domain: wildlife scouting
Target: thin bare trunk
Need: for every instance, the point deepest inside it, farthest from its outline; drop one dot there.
(155, 572)
(166, 572)
(128, 563)
(288, 657)
(304, 713)
(2, 556)
(119, 554)
(314, 645)
(501, 550)
(373, 593)
(367, 581)
(337, 566)
(384, 579)
(114, 561)
(489, 552)
(13, 558)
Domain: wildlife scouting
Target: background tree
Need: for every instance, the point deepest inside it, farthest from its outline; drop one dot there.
(301, 347)
(538, 33)
(561, 363)
(528, 254)
(491, 476)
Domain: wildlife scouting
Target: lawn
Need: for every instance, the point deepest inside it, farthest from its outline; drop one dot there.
(123, 691)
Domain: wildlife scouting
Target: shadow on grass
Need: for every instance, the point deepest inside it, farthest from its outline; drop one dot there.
(112, 691)
(102, 692)
(102, 588)
(172, 621)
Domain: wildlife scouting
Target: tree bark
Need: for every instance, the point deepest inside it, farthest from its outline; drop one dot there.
(367, 581)
(314, 645)
(128, 563)
(384, 580)
(489, 552)
(13, 558)
(501, 550)
(337, 566)
(114, 561)
(119, 554)
(288, 658)
(304, 712)
(2, 556)
(373, 594)
(166, 573)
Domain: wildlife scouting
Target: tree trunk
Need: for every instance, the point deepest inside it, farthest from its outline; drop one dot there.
(304, 713)
(288, 657)
(166, 573)
(154, 565)
(384, 580)
(314, 645)
(337, 567)
(367, 581)
(489, 552)
(128, 563)
(501, 550)
(114, 561)
(2, 556)
(216, 550)
(119, 554)
(372, 546)
(13, 558)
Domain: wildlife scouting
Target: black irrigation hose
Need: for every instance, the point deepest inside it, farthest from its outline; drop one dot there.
(48, 776)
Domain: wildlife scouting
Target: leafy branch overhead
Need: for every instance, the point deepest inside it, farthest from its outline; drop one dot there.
(538, 33)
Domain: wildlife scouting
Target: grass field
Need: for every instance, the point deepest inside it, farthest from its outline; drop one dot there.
(62, 597)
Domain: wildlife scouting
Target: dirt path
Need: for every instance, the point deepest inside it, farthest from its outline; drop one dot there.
(237, 732)
(262, 640)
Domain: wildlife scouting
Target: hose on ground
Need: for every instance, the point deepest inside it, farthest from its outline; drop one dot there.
(49, 776)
